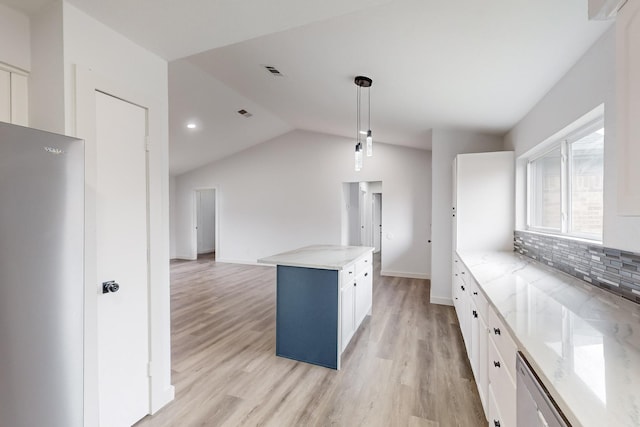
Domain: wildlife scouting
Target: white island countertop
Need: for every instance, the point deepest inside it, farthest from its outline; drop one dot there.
(326, 257)
(583, 342)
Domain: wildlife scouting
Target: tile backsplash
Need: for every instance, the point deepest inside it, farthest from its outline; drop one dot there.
(615, 270)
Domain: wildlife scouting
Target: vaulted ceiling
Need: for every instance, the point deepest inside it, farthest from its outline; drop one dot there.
(435, 64)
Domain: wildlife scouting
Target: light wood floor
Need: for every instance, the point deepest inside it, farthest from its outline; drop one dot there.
(405, 367)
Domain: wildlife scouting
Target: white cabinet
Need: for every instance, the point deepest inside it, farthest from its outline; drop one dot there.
(628, 107)
(347, 316)
(483, 201)
(14, 97)
(356, 297)
(490, 348)
(5, 96)
(363, 295)
(502, 372)
(483, 219)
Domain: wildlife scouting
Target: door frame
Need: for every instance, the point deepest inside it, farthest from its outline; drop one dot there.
(87, 83)
(194, 222)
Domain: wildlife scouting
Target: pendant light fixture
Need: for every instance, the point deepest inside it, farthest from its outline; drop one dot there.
(366, 82)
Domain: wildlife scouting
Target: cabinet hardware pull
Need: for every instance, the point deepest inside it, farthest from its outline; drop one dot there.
(475, 293)
(475, 314)
(496, 364)
(462, 287)
(463, 272)
(366, 274)
(496, 423)
(496, 331)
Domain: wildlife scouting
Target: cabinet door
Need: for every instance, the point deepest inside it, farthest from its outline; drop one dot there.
(5, 96)
(473, 347)
(19, 100)
(347, 320)
(482, 378)
(628, 107)
(364, 295)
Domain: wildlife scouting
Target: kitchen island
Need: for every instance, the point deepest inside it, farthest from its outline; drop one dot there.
(323, 294)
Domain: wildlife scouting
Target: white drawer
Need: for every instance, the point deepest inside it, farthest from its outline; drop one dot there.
(348, 274)
(363, 264)
(503, 388)
(500, 336)
(478, 297)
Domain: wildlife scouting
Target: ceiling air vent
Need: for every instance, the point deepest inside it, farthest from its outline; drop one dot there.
(245, 113)
(273, 70)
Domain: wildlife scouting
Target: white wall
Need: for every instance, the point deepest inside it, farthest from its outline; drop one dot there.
(46, 81)
(446, 145)
(15, 38)
(299, 196)
(588, 84)
(109, 56)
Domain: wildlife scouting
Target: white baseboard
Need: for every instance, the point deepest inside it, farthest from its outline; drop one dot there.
(441, 300)
(184, 258)
(243, 262)
(404, 274)
(159, 401)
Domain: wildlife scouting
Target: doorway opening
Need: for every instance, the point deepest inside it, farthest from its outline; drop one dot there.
(206, 236)
(362, 214)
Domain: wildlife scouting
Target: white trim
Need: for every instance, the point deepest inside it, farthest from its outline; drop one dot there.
(184, 258)
(12, 69)
(441, 301)
(243, 262)
(405, 274)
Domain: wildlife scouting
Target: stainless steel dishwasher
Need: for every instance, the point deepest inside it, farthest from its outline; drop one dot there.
(535, 408)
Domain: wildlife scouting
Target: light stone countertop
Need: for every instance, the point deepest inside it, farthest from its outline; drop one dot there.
(583, 342)
(326, 257)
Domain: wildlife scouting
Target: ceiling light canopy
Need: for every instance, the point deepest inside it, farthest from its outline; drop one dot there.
(363, 82)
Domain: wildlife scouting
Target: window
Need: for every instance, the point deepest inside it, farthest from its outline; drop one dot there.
(565, 185)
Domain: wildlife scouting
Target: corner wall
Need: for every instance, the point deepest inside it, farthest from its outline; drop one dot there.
(287, 193)
(446, 145)
(99, 51)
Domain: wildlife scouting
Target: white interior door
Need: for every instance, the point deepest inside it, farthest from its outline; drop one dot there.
(206, 208)
(377, 221)
(121, 237)
(363, 219)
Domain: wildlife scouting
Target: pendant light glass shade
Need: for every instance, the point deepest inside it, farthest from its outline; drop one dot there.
(358, 157)
(369, 144)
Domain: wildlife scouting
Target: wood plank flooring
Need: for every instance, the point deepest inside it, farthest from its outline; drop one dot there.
(406, 366)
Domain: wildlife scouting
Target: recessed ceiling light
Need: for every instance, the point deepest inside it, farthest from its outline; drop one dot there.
(191, 125)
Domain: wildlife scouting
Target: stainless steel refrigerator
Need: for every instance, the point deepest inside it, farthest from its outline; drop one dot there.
(41, 278)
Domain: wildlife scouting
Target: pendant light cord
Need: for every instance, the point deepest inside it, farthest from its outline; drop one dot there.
(358, 115)
(369, 109)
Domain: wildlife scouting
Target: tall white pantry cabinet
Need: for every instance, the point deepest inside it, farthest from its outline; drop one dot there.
(483, 220)
(628, 107)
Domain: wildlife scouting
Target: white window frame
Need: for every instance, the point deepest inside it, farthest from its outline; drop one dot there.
(564, 143)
